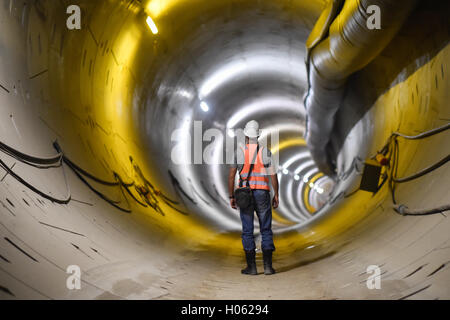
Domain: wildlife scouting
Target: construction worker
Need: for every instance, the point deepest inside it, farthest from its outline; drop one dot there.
(258, 179)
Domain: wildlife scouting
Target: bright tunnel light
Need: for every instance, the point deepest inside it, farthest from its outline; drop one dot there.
(204, 106)
(152, 25)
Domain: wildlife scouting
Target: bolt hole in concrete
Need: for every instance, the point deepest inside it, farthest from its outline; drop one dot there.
(121, 120)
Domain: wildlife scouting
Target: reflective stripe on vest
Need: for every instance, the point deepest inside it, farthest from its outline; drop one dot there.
(259, 178)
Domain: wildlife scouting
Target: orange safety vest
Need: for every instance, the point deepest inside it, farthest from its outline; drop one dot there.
(258, 178)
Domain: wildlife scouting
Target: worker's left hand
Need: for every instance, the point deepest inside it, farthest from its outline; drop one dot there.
(275, 201)
(233, 203)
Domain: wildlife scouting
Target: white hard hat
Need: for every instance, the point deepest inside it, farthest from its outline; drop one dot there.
(252, 129)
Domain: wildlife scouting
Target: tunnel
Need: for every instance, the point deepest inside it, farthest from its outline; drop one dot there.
(114, 138)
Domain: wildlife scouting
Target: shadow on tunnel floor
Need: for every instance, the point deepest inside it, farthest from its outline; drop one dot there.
(301, 263)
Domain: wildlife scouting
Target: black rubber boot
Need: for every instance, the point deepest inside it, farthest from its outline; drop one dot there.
(267, 255)
(251, 263)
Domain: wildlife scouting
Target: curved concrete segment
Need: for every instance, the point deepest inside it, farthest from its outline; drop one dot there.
(115, 138)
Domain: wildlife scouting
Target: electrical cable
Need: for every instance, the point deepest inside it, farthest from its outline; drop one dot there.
(38, 162)
(43, 161)
(424, 171)
(394, 152)
(55, 162)
(58, 161)
(87, 174)
(127, 188)
(32, 188)
(405, 211)
(384, 150)
(79, 172)
(425, 134)
(98, 193)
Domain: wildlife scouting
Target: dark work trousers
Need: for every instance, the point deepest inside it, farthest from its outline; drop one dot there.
(263, 207)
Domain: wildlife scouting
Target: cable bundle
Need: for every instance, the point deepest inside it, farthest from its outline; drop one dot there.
(59, 159)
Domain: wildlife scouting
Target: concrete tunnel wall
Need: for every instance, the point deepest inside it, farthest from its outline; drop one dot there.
(97, 91)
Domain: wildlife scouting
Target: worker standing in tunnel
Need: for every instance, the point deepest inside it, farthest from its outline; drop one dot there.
(255, 167)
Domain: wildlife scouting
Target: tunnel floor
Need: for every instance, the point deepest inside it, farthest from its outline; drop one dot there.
(216, 279)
